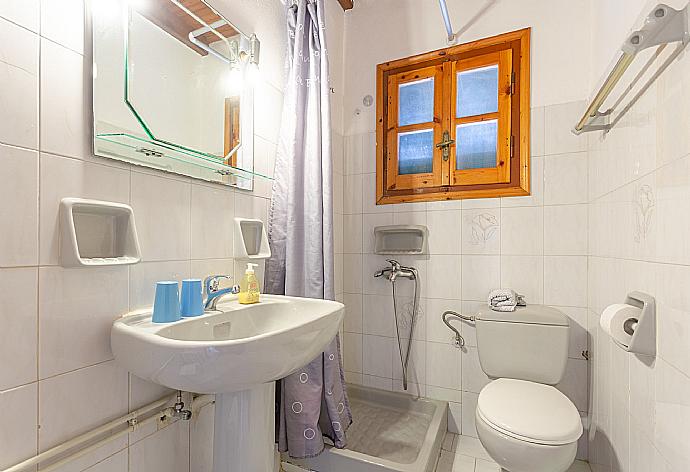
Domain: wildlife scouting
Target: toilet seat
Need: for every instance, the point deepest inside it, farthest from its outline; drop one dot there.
(529, 411)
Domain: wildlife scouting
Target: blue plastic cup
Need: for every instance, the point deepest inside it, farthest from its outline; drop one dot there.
(192, 304)
(166, 307)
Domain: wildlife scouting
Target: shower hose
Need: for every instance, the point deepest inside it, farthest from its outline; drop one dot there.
(404, 359)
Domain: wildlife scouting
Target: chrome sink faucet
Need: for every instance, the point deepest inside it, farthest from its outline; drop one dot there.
(213, 291)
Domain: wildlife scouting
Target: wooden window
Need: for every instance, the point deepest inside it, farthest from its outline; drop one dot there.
(454, 123)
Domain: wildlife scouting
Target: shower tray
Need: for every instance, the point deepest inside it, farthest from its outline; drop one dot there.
(391, 432)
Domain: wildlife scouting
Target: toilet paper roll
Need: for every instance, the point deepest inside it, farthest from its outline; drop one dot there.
(613, 321)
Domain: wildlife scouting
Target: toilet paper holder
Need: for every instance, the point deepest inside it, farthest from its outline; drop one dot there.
(642, 327)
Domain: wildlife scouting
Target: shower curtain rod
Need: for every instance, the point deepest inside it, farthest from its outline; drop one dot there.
(446, 20)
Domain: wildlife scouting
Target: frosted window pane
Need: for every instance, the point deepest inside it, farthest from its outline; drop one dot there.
(415, 152)
(476, 145)
(416, 102)
(477, 92)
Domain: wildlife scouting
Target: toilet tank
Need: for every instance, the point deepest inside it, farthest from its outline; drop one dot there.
(530, 343)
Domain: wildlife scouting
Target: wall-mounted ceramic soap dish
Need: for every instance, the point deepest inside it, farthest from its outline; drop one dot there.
(251, 239)
(97, 233)
(401, 239)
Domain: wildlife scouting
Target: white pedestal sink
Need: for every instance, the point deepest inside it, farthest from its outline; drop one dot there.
(237, 353)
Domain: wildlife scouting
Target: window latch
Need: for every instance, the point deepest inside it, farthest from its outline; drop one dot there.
(445, 145)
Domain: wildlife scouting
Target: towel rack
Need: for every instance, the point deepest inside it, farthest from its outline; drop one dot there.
(663, 25)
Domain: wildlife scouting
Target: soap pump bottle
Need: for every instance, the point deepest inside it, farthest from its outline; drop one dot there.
(249, 286)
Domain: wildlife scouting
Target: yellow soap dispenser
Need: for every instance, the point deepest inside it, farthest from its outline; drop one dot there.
(249, 286)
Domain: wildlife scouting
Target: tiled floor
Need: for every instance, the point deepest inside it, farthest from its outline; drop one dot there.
(466, 454)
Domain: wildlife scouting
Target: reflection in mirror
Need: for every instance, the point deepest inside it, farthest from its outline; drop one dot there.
(172, 89)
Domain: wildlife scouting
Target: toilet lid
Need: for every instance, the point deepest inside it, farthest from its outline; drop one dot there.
(529, 411)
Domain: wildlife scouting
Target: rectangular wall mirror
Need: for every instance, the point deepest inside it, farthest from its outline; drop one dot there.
(172, 89)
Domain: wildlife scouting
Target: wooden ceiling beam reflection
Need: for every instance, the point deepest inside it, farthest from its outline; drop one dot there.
(346, 4)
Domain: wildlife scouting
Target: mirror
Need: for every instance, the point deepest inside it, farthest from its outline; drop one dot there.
(172, 89)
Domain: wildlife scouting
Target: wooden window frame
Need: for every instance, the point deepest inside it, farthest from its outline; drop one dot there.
(511, 177)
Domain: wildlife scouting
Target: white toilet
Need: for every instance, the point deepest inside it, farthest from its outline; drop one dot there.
(524, 423)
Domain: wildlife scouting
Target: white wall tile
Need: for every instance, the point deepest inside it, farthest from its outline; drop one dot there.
(114, 463)
(480, 275)
(352, 352)
(165, 206)
(469, 411)
(201, 440)
(671, 435)
(522, 231)
(565, 179)
(19, 77)
(376, 356)
(565, 280)
(63, 22)
(352, 194)
(353, 154)
(23, 12)
(353, 312)
(212, 222)
(445, 231)
(369, 153)
(19, 207)
(165, 451)
(446, 272)
(18, 429)
(525, 275)
(352, 234)
(78, 307)
(559, 120)
(538, 132)
(352, 273)
(62, 177)
(65, 110)
(73, 403)
(378, 317)
(455, 417)
(565, 230)
(481, 231)
(18, 338)
(443, 366)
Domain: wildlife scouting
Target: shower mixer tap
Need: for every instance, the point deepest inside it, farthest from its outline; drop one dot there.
(392, 273)
(396, 270)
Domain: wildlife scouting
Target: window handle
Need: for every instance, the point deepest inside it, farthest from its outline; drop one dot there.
(445, 145)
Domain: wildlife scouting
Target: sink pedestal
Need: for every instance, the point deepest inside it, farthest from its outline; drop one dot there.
(244, 434)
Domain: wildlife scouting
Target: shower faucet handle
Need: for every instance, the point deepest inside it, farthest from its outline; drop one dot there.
(396, 265)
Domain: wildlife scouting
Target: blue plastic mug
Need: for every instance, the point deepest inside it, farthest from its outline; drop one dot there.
(166, 307)
(192, 304)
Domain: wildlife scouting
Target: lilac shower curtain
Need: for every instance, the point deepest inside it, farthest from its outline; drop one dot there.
(312, 401)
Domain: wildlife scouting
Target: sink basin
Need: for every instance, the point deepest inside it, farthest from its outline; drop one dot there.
(232, 349)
